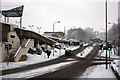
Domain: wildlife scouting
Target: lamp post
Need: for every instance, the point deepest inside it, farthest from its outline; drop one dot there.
(106, 33)
(54, 25)
(21, 30)
(53, 31)
(30, 27)
(39, 29)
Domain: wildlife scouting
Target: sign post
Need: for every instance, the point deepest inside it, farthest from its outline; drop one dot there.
(109, 59)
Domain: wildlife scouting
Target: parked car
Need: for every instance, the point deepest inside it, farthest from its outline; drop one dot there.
(68, 52)
(44, 47)
(100, 46)
(58, 46)
(32, 50)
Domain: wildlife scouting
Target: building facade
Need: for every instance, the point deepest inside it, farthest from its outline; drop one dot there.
(89, 30)
(55, 34)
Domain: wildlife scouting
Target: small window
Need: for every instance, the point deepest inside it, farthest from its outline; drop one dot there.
(12, 36)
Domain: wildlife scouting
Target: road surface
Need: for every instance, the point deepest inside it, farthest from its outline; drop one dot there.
(75, 69)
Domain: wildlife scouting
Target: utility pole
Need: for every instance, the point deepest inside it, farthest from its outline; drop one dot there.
(106, 35)
(54, 25)
(20, 30)
(64, 32)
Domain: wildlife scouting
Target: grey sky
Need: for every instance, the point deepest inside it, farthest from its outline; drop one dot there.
(79, 13)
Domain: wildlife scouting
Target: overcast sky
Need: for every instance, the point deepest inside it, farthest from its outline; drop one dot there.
(78, 13)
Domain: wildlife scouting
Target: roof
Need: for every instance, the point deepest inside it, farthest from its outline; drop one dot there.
(54, 32)
(15, 12)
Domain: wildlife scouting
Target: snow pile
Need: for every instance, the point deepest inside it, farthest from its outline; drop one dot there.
(116, 66)
(98, 71)
(85, 52)
(94, 44)
(85, 44)
(72, 48)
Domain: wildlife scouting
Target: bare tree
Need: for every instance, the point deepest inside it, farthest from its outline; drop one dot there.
(79, 34)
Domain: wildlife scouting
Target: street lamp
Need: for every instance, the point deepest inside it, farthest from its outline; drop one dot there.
(54, 24)
(18, 22)
(24, 28)
(39, 29)
(106, 32)
(111, 23)
(30, 26)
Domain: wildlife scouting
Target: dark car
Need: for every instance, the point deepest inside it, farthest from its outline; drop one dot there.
(68, 53)
(100, 46)
(105, 47)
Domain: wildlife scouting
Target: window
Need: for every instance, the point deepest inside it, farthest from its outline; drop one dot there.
(12, 36)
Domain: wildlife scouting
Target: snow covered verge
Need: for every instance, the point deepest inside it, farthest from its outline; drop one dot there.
(98, 71)
(85, 52)
(34, 58)
(116, 66)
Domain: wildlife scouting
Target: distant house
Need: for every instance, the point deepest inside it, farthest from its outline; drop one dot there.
(89, 30)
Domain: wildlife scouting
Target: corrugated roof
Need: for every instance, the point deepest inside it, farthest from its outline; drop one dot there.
(15, 12)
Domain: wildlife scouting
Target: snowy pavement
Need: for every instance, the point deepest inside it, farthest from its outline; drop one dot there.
(116, 66)
(98, 71)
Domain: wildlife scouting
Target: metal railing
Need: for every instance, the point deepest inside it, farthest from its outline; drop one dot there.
(22, 47)
(27, 43)
(17, 51)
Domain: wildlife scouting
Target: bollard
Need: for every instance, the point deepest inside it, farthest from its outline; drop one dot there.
(89, 47)
(81, 54)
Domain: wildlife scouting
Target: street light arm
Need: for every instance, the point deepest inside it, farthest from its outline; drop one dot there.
(54, 24)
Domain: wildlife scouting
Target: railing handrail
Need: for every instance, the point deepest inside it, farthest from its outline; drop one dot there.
(27, 43)
(21, 47)
(17, 51)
